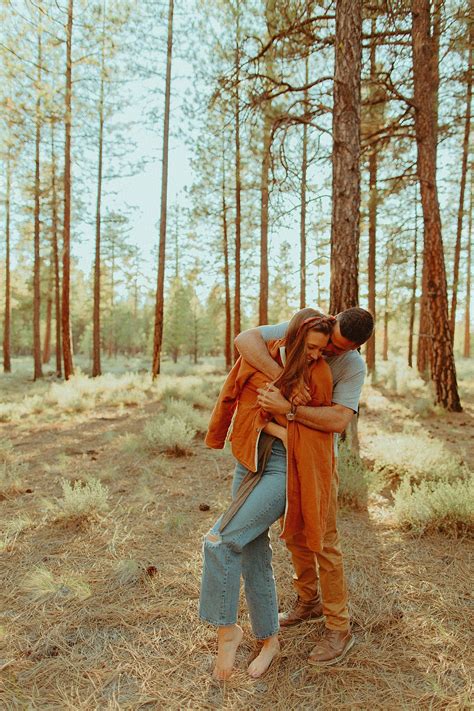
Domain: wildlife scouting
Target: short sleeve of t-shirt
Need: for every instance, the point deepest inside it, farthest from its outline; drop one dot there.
(348, 374)
(274, 333)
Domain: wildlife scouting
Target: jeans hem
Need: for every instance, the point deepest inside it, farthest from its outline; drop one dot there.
(267, 636)
(217, 624)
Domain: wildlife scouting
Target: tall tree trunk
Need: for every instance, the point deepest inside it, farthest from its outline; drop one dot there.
(304, 174)
(49, 313)
(346, 156)
(159, 310)
(386, 313)
(7, 366)
(424, 349)
(411, 327)
(54, 236)
(225, 245)
(371, 266)
(38, 372)
(238, 187)
(467, 311)
(462, 187)
(443, 370)
(96, 365)
(65, 313)
(264, 193)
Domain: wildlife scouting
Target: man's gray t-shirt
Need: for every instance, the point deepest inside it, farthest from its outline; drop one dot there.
(348, 370)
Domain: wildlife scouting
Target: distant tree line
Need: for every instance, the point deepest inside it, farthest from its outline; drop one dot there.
(347, 123)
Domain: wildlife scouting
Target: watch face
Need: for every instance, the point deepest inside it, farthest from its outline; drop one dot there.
(290, 416)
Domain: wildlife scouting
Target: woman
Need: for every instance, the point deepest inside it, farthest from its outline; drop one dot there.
(266, 451)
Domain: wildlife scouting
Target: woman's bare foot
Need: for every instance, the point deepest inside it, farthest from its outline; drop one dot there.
(270, 649)
(228, 640)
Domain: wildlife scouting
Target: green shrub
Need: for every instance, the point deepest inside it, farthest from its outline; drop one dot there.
(352, 479)
(169, 434)
(83, 499)
(446, 506)
(415, 455)
(185, 411)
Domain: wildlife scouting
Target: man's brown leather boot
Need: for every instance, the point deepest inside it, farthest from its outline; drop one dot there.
(302, 611)
(332, 647)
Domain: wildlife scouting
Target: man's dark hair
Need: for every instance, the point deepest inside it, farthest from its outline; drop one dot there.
(356, 325)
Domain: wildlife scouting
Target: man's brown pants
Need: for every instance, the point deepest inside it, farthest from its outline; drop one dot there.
(329, 562)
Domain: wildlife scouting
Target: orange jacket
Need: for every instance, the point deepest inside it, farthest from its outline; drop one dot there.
(310, 454)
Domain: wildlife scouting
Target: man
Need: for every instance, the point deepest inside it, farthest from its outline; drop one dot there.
(352, 328)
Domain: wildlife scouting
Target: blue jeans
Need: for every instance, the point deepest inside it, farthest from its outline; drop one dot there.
(244, 548)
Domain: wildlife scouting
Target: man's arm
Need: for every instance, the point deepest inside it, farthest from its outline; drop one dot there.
(326, 419)
(253, 349)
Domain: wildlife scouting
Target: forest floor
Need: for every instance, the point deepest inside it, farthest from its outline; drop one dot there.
(112, 623)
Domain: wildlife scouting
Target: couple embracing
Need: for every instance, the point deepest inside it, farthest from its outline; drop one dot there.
(295, 386)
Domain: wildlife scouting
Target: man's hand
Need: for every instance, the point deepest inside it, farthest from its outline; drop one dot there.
(272, 401)
(300, 394)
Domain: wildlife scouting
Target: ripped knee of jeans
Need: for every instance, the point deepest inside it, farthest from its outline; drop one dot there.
(213, 538)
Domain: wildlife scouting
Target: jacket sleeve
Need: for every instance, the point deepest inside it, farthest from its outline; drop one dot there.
(224, 408)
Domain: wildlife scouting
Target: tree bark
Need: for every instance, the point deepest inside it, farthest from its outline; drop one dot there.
(96, 364)
(443, 370)
(238, 187)
(411, 326)
(38, 372)
(225, 246)
(264, 194)
(424, 350)
(386, 311)
(7, 366)
(346, 156)
(462, 187)
(54, 236)
(371, 266)
(304, 177)
(49, 314)
(65, 313)
(467, 311)
(159, 305)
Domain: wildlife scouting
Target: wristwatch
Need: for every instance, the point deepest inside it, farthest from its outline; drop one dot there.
(291, 415)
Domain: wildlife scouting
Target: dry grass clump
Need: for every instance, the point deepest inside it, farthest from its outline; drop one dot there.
(353, 479)
(169, 434)
(83, 499)
(446, 506)
(397, 377)
(13, 528)
(41, 585)
(184, 410)
(415, 455)
(11, 471)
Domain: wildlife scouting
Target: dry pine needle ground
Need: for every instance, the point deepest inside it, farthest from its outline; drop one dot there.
(111, 623)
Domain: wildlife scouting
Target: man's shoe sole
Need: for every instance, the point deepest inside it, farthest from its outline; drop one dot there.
(321, 618)
(329, 662)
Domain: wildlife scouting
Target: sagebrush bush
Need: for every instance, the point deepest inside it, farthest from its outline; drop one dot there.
(353, 478)
(415, 454)
(83, 499)
(185, 411)
(41, 584)
(128, 571)
(169, 434)
(6, 450)
(446, 506)
(11, 471)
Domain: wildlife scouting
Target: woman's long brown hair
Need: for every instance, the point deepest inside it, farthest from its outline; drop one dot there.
(296, 366)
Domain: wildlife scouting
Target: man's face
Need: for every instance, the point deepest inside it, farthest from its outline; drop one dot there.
(338, 344)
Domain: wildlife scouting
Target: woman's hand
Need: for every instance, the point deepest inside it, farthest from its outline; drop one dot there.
(272, 428)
